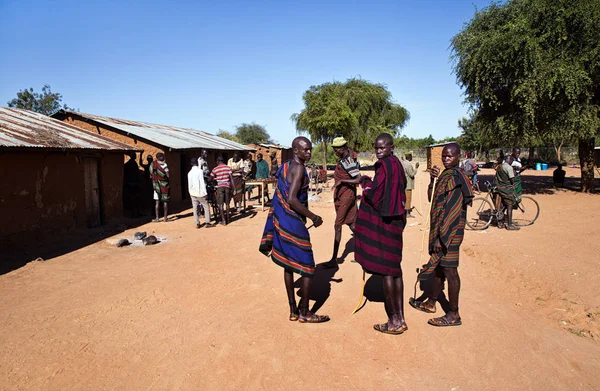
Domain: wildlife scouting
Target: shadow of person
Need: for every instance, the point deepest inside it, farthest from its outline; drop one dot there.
(349, 248)
(426, 286)
(374, 289)
(321, 286)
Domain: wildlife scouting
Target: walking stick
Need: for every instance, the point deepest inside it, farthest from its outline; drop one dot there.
(425, 230)
(360, 304)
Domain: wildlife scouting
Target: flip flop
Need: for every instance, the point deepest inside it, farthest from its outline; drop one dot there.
(444, 321)
(416, 304)
(384, 328)
(313, 318)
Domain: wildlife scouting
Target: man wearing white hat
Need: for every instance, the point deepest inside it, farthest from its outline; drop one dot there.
(347, 177)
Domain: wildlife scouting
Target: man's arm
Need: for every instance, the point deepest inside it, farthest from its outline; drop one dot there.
(296, 179)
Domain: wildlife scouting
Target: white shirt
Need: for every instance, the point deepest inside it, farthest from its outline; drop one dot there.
(196, 185)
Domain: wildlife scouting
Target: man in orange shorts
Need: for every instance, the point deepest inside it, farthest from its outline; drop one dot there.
(347, 177)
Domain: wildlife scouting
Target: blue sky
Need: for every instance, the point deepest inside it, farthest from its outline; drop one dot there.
(214, 65)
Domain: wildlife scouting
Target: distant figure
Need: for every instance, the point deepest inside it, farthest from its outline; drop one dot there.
(131, 186)
(262, 172)
(274, 165)
(222, 174)
(160, 184)
(379, 228)
(249, 173)
(237, 171)
(450, 198)
(285, 238)
(559, 176)
(347, 177)
(506, 190)
(198, 194)
(411, 173)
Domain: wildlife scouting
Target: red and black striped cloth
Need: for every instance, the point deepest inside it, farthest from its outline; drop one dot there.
(451, 196)
(381, 219)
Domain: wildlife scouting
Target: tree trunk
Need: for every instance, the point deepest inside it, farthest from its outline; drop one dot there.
(531, 156)
(586, 159)
(558, 148)
(325, 160)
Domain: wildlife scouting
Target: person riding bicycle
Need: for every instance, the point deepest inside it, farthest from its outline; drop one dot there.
(469, 166)
(505, 190)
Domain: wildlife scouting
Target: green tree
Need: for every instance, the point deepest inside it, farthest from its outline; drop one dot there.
(357, 110)
(46, 102)
(252, 134)
(531, 69)
(228, 135)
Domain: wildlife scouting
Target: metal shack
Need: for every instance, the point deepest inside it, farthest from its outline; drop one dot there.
(55, 177)
(178, 144)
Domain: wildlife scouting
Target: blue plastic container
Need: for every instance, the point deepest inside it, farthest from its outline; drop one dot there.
(538, 166)
(544, 166)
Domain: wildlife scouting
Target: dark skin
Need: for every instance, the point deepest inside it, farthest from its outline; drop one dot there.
(450, 159)
(222, 206)
(341, 152)
(238, 172)
(161, 158)
(509, 209)
(259, 158)
(516, 152)
(393, 287)
(302, 152)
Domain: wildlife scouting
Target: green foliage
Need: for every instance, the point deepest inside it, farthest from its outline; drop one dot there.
(406, 144)
(357, 110)
(46, 102)
(252, 134)
(317, 154)
(228, 135)
(531, 70)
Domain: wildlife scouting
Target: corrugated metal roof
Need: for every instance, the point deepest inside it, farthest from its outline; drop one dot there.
(278, 146)
(439, 145)
(168, 136)
(24, 128)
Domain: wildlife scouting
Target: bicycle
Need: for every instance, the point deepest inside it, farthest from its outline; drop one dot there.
(525, 212)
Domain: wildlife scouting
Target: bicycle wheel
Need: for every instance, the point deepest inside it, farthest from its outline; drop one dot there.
(480, 215)
(526, 213)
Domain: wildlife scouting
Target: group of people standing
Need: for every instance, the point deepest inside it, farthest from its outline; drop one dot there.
(378, 226)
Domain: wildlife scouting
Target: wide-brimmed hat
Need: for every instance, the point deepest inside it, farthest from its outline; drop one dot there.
(339, 142)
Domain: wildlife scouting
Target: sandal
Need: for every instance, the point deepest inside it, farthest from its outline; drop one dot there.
(385, 328)
(418, 305)
(309, 317)
(512, 228)
(293, 312)
(444, 321)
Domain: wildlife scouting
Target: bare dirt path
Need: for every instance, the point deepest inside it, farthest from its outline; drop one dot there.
(205, 310)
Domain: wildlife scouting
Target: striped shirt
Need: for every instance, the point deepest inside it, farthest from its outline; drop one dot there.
(221, 174)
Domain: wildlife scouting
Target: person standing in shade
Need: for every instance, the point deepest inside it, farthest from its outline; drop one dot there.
(262, 172)
(198, 194)
(411, 173)
(237, 171)
(222, 174)
(347, 177)
(274, 165)
(160, 184)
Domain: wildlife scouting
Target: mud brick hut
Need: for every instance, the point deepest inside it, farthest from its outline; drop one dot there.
(178, 144)
(55, 177)
(282, 152)
(434, 155)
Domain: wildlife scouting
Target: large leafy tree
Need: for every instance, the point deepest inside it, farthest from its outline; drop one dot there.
(531, 71)
(357, 110)
(228, 135)
(252, 134)
(46, 102)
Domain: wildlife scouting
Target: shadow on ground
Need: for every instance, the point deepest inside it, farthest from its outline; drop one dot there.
(51, 245)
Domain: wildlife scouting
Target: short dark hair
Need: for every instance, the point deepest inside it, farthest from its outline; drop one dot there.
(385, 137)
(160, 155)
(220, 159)
(194, 161)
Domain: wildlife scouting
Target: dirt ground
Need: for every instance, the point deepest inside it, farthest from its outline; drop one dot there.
(205, 310)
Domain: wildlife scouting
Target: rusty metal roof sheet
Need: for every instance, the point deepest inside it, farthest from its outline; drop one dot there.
(168, 136)
(24, 128)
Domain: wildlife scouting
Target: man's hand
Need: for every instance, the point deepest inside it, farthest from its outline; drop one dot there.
(435, 172)
(417, 165)
(437, 246)
(317, 221)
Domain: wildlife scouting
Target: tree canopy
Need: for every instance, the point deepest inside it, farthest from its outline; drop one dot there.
(531, 73)
(357, 110)
(228, 135)
(46, 102)
(252, 134)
